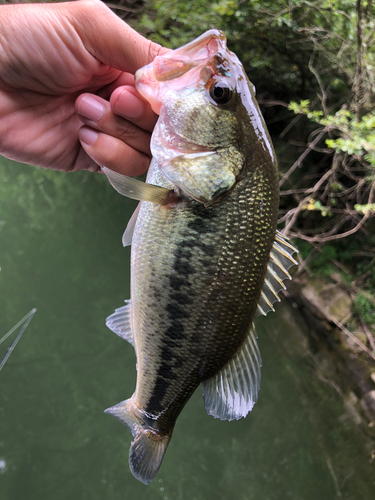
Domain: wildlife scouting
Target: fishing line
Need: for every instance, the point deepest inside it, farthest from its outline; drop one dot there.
(26, 320)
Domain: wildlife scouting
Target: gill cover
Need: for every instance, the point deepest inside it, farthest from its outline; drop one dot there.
(197, 90)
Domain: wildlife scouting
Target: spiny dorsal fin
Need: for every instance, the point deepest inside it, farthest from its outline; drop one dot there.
(120, 323)
(138, 190)
(233, 391)
(277, 271)
(129, 231)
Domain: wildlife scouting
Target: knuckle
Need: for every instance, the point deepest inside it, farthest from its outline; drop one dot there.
(154, 50)
(126, 130)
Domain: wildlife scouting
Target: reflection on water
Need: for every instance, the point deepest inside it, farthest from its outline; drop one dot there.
(60, 251)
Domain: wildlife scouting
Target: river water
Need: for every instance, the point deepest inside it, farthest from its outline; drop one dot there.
(61, 252)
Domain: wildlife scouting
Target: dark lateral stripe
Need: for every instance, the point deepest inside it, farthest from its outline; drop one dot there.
(178, 301)
(176, 282)
(208, 250)
(175, 331)
(160, 388)
(183, 267)
(176, 311)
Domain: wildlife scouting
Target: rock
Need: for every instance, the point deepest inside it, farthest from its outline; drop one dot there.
(330, 299)
(349, 343)
(368, 404)
(324, 305)
(339, 305)
(350, 406)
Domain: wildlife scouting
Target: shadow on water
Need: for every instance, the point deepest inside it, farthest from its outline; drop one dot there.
(60, 251)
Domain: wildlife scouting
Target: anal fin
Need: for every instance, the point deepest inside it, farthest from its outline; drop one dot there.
(120, 322)
(233, 391)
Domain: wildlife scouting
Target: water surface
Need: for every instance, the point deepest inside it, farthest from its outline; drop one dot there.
(61, 252)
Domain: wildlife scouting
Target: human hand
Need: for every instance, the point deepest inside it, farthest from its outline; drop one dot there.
(49, 55)
(122, 145)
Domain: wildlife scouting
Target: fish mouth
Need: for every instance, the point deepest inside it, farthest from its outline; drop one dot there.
(167, 144)
(174, 67)
(185, 155)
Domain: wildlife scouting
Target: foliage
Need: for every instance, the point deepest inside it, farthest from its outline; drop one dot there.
(274, 39)
(355, 137)
(366, 308)
(345, 187)
(351, 142)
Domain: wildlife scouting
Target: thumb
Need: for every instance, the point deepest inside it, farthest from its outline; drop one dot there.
(109, 39)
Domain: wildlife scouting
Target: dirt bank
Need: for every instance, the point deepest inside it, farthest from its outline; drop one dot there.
(343, 344)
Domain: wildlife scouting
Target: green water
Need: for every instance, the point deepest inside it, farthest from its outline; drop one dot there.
(61, 252)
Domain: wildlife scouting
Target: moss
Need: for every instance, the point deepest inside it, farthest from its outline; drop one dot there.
(365, 308)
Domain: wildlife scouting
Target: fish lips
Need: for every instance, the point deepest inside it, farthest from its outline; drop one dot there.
(178, 68)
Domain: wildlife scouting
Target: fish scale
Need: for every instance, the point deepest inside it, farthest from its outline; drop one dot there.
(206, 259)
(210, 266)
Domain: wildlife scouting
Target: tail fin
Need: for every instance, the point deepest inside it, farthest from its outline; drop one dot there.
(148, 447)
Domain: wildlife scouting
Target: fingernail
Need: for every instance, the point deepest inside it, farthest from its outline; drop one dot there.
(128, 105)
(90, 108)
(88, 135)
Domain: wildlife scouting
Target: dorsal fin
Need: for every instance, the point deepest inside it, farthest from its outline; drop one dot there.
(277, 272)
(120, 323)
(233, 391)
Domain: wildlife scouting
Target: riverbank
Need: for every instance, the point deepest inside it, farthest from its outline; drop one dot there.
(340, 342)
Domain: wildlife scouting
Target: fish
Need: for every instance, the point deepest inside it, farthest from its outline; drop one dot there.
(206, 257)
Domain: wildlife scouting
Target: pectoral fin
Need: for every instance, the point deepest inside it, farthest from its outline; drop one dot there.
(138, 190)
(233, 391)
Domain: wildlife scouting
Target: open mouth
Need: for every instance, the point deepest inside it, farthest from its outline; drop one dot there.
(179, 67)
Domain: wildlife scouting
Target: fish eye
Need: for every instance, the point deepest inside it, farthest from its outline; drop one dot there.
(220, 93)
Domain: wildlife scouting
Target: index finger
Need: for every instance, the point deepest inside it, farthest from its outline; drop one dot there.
(127, 102)
(109, 39)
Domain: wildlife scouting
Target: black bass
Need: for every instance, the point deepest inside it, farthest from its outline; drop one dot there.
(206, 258)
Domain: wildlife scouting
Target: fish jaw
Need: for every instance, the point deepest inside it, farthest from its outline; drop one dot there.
(174, 66)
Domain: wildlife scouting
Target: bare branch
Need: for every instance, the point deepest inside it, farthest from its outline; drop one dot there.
(302, 157)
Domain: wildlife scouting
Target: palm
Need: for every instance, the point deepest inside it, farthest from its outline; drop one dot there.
(39, 116)
(49, 55)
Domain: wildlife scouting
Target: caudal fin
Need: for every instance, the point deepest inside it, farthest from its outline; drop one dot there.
(148, 447)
